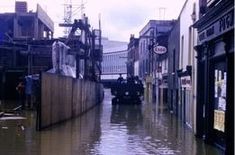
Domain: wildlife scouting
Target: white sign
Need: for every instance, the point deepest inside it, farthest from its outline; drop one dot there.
(159, 49)
(186, 82)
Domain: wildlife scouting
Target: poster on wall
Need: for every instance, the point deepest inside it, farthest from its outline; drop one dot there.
(219, 99)
(219, 120)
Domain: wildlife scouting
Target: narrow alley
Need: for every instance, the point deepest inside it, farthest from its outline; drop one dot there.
(105, 130)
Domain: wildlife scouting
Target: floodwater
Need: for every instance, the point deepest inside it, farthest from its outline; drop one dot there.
(105, 130)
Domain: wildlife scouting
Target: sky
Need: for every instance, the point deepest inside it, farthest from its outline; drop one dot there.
(119, 18)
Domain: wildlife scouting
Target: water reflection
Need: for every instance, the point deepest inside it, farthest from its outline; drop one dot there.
(105, 130)
(127, 115)
(146, 129)
(74, 137)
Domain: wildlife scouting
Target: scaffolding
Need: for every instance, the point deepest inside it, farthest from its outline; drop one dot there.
(86, 47)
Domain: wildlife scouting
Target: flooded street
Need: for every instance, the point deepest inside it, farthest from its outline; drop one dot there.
(105, 130)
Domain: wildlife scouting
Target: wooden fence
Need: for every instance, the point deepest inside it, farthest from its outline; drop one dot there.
(64, 97)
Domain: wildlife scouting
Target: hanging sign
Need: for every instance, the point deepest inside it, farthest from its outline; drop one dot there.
(159, 49)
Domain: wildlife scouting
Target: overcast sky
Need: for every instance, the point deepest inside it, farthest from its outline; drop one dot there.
(119, 18)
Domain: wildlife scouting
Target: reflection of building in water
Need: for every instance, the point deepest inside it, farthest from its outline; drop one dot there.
(128, 115)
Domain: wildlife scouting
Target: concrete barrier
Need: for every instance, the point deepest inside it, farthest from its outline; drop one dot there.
(64, 97)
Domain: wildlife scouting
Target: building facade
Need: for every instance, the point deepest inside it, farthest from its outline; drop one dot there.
(148, 37)
(187, 63)
(215, 64)
(25, 46)
(173, 66)
(155, 33)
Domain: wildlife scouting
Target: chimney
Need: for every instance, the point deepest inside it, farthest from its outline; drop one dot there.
(20, 7)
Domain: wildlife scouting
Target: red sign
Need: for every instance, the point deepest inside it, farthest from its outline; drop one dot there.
(159, 49)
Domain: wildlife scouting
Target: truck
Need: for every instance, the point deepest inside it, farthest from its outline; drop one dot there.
(127, 91)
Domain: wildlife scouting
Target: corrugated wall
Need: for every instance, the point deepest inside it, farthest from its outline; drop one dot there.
(64, 97)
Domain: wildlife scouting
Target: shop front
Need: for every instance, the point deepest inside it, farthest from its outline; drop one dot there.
(215, 81)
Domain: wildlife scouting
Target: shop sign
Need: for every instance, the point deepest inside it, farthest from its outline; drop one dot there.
(159, 49)
(222, 25)
(186, 82)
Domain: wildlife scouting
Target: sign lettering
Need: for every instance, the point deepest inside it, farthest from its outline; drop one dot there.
(159, 49)
(226, 22)
(220, 26)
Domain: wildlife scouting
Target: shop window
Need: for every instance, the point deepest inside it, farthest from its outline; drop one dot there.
(220, 85)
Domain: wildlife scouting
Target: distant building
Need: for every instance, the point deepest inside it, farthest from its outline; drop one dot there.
(25, 25)
(114, 60)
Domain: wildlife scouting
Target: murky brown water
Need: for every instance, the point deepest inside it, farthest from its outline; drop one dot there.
(105, 130)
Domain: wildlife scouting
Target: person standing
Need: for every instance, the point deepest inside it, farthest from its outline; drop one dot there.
(120, 79)
(21, 93)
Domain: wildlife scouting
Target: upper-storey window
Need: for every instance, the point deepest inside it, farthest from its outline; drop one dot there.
(211, 3)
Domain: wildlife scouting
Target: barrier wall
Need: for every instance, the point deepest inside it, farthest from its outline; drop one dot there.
(64, 97)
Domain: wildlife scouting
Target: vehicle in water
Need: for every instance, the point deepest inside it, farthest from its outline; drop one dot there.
(127, 91)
